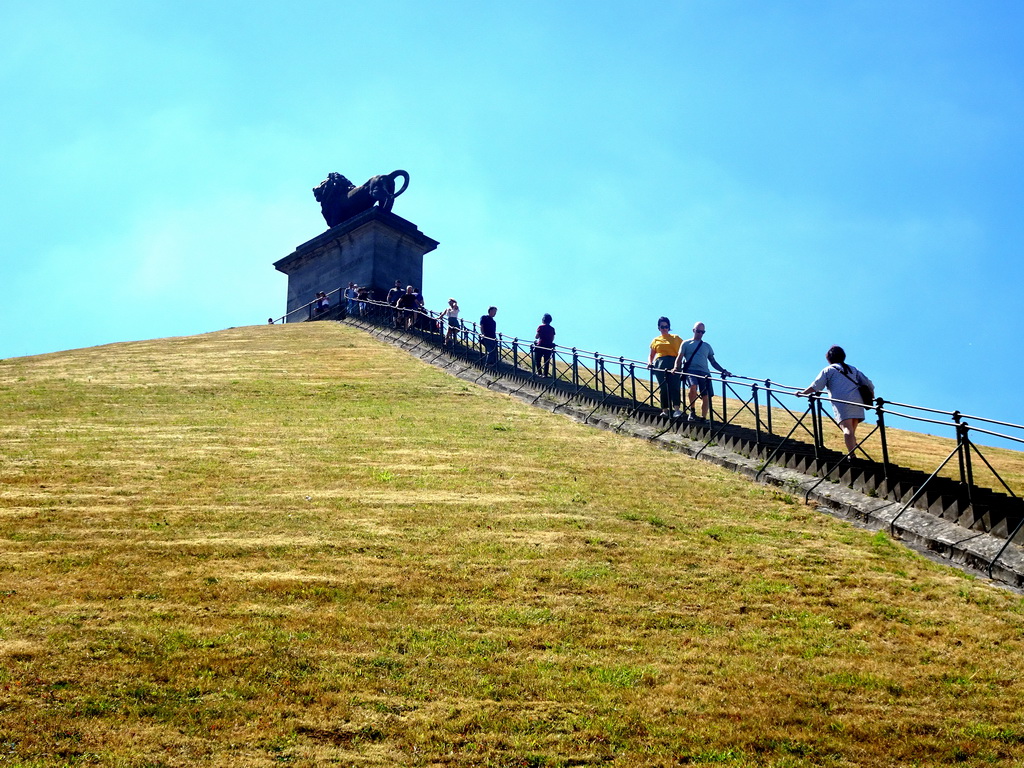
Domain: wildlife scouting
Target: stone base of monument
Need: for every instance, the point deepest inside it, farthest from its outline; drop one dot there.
(374, 248)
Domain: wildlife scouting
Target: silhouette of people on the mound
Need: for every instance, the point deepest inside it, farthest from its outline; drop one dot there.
(489, 336)
(543, 346)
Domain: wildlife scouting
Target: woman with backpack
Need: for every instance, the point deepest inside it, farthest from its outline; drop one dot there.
(848, 385)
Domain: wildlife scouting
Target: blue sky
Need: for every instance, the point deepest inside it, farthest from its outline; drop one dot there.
(794, 174)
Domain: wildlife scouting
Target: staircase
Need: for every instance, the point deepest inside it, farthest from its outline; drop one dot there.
(972, 507)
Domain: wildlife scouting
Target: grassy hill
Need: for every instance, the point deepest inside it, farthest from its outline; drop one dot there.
(294, 545)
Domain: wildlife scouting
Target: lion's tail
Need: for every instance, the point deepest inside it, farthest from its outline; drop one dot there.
(405, 181)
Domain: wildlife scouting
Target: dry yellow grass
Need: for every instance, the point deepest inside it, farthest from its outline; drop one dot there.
(294, 545)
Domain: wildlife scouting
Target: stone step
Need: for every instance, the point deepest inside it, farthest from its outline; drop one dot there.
(1009, 524)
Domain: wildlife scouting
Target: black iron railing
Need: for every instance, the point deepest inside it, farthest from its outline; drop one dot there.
(776, 417)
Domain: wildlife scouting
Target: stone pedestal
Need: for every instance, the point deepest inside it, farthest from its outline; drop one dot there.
(374, 248)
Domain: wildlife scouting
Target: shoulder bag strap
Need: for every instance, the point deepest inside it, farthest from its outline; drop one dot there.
(857, 383)
(686, 365)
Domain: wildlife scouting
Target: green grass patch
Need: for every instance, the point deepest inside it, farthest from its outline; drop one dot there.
(297, 546)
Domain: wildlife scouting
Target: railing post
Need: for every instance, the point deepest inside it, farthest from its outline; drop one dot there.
(880, 413)
(815, 407)
(515, 353)
(575, 368)
(757, 413)
(632, 383)
(768, 403)
(622, 377)
(599, 365)
(965, 441)
(960, 448)
(725, 415)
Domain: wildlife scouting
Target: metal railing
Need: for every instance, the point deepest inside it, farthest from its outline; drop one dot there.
(774, 414)
(337, 307)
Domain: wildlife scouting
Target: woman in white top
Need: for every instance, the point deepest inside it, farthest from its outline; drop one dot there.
(452, 316)
(843, 383)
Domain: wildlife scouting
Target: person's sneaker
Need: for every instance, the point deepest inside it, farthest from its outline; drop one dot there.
(692, 417)
(676, 414)
(664, 414)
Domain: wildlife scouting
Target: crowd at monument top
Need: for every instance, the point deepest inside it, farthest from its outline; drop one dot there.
(355, 238)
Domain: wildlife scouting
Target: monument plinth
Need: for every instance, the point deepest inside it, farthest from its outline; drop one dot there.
(372, 248)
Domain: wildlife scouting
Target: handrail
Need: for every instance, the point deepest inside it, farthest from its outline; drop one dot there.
(307, 310)
(776, 386)
(778, 390)
(605, 378)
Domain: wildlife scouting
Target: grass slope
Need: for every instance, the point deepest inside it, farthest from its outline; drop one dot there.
(295, 545)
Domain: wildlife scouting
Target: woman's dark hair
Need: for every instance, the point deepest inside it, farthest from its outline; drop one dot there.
(837, 354)
(664, 321)
(546, 319)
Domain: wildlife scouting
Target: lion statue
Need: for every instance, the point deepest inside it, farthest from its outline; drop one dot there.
(340, 199)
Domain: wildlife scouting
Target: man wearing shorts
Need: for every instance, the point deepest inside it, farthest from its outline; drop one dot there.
(694, 358)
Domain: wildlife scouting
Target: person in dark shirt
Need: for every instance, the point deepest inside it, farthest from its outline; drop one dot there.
(395, 292)
(489, 336)
(407, 305)
(543, 346)
(423, 320)
(322, 303)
